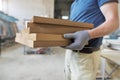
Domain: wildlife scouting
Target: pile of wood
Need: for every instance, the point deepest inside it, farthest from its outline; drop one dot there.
(48, 32)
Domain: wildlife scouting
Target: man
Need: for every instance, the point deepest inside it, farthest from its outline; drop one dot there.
(81, 60)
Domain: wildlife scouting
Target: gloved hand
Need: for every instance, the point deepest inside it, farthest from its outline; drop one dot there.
(80, 39)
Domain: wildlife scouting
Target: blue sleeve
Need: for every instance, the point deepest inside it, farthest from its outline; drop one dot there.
(102, 2)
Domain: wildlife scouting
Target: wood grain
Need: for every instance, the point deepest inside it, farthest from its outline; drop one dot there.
(36, 44)
(37, 19)
(41, 36)
(38, 28)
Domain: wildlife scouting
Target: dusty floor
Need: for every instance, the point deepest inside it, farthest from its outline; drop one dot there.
(14, 65)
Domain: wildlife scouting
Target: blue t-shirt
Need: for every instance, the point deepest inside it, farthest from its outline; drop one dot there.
(89, 11)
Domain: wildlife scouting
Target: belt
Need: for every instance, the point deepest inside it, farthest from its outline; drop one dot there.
(87, 50)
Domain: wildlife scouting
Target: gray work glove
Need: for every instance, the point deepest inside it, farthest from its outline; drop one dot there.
(80, 39)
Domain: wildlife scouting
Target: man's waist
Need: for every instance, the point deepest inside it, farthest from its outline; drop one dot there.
(88, 50)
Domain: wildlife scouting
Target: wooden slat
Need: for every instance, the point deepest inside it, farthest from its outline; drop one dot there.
(43, 20)
(36, 44)
(55, 25)
(41, 36)
(48, 32)
(38, 28)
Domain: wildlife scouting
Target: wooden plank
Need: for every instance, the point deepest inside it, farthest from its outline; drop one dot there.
(111, 55)
(37, 19)
(56, 25)
(47, 32)
(38, 28)
(25, 30)
(36, 44)
(41, 36)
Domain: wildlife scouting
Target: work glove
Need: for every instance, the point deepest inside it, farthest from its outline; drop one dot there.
(80, 39)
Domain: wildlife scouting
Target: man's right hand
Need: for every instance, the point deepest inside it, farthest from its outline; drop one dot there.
(80, 38)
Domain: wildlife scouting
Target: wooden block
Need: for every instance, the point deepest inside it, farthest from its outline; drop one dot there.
(43, 20)
(50, 29)
(36, 44)
(54, 25)
(47, 32)
(41, 36)
(25, 30)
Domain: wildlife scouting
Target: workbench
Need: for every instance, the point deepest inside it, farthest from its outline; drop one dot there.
(111, 55)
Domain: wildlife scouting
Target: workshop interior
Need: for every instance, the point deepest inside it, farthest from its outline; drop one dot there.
(23, 58)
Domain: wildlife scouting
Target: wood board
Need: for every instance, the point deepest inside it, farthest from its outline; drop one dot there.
(41, 36)
(36, 44)
(38, 28)
(37, 19)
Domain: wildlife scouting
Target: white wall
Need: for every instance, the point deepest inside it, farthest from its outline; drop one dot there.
(0, 5)
(26, 9)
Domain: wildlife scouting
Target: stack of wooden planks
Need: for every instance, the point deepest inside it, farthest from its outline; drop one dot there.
(48, 32)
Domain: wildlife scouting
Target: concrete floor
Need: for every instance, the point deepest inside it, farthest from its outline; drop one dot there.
(14, 65)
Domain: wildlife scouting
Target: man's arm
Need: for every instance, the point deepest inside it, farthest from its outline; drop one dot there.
(110, 11)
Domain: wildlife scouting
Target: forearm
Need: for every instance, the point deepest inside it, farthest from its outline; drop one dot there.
(104, 29)
(110, 12)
